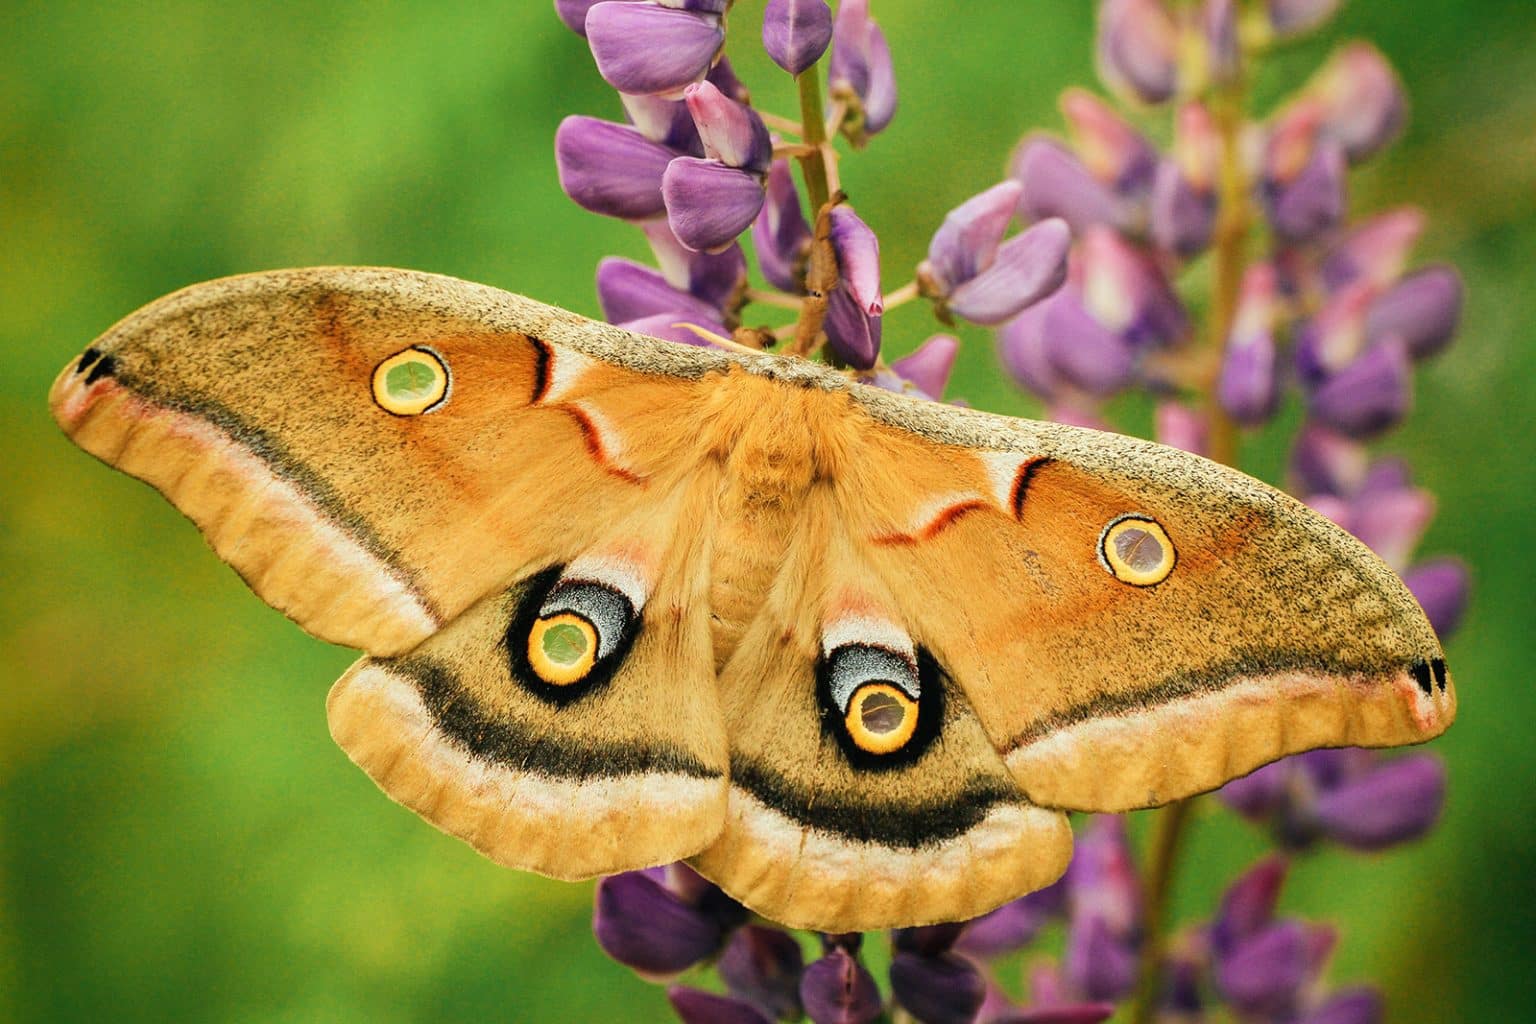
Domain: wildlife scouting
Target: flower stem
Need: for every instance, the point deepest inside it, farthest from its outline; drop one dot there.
(1171, 824)
(1230, 256)
(813, 132)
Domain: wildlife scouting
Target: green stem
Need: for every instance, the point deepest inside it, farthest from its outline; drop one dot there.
(1233, 223)
(813, 133)
(1171, 826)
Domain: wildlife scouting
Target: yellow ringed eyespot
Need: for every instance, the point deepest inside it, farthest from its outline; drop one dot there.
(1136, 550)
(562, 648)
(411, 382)
(881, 718)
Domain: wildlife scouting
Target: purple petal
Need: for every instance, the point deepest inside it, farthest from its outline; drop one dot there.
(1440, 587)
(1376, 250)
(858, 260)
(1127, 291)
(1364, 107)
(1081, 1013)
(1113, 151)
(1179, 426)
(1138, 49)
(860, 69)
(1261, 792)
(929, 365)
(780, 235)
(1249, 386)
(1182, 218)
(1265, 973)
(574, 13)
(1028, 267)
(880, 100)
(763, 965)
(1021, 346)
(1399, 801)
(1081, 350)
(731, 132)
(1423, 310)
(709, 203)
(1313, 202)
(1100, 965)
(796, 32)
(1013, 925)
(667, 326)
(643, 925)
(853, 334)
(1391, 523)
(646, 48)
(1293, 17)
(942, 989)
(1057, 184)
(1248, 904)
(610, 168)
(628, 291)
(697, 1007)
(1368, 396)
(1355, 1006)
(715, 277)
(1335, 336)
(1101, 880)
(966, 243)
(1324, 462)
(836, 989)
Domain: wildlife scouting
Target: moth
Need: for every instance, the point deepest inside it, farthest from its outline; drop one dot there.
(622, 602)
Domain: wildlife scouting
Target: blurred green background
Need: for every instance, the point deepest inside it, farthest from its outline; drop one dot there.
(179, 838)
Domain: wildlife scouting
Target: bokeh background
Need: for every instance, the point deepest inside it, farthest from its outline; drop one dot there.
(179, 837)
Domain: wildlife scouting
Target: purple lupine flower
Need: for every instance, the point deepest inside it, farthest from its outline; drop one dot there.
(611, 169)
(1127, 292)
(860, 72)
(711, 200)
(694, 1006)
(1370, 395)
(1294, 17)
(1138, 49)
(1112, 150)
(1352, 797)
(1375, 251)
(1440, 586)
(1218, 23)
(656, 929)
(796, 32)
(837, 989)
(1304, 176)
(780, 235)
(1248, 905)
(676, 327)
(1266, 972)
(1334, 337)
(1021, 347)
(1179, 426)
(666, 121)
(855, 306)
(762, 966)
(718, 278)
(1058, 345)
(651, 48)
(1184, 199)
(1362, 102)
(1422, 310)
(1058, 184)
(927, 367)
(1013, 925)
(1249, 386)
(975, 275)
(931, 982)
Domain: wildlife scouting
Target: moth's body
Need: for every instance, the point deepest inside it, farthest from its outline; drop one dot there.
(627, 602)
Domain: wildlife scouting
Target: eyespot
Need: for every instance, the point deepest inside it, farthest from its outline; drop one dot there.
(881, 718)
(877, 691)
(562, 648)
(411, 382)
(1136, 550)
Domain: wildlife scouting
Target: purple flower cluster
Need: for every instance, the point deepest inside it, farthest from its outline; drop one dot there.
(1082, 259)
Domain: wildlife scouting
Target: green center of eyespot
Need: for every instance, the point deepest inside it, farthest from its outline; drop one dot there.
(412, 379)
(564, 643)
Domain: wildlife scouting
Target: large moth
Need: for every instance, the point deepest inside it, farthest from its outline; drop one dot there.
(623, 602)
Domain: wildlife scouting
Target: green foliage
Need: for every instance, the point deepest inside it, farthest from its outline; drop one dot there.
(179, 838)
